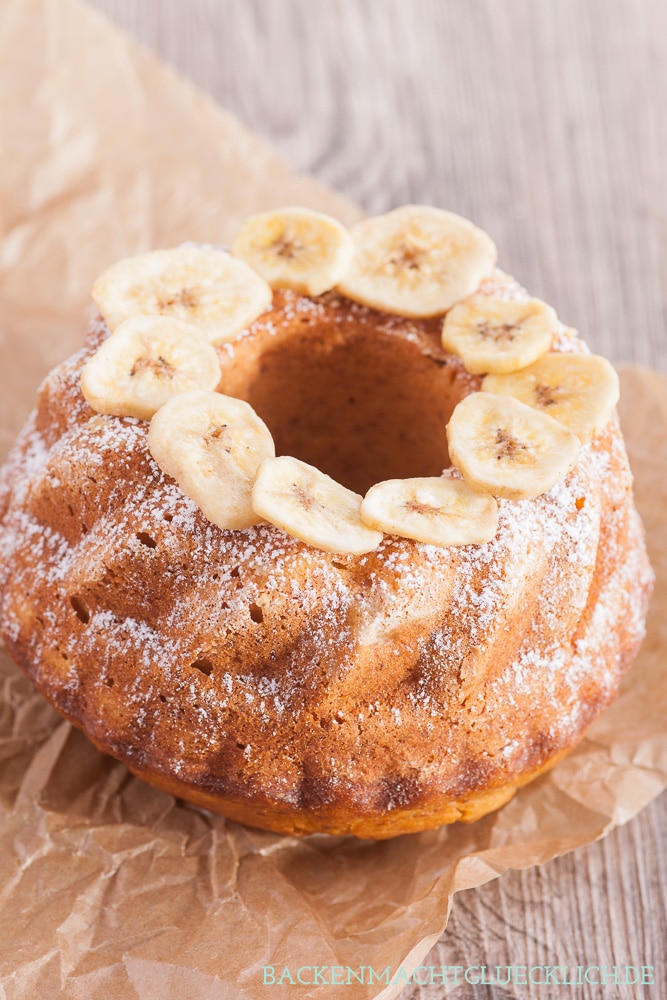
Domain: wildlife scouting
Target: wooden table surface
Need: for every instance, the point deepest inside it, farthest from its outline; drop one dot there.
(544, 121)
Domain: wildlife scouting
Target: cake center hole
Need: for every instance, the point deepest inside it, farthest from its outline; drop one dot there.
(360, 404)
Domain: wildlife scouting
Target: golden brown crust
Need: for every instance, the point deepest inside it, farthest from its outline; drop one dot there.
(292, 688)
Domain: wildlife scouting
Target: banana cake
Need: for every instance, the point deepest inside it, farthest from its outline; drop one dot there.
(333, 532)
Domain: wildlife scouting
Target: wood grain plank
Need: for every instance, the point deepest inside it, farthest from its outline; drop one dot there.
(544, 121)
(602, 905)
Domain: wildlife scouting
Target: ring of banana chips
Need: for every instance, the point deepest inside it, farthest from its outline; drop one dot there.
(515, 437)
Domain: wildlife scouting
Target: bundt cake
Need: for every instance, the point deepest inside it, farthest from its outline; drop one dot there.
(331, 533)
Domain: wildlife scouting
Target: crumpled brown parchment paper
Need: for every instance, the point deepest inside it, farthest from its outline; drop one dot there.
(109, 889)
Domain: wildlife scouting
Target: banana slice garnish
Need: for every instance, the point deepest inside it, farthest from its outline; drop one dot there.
(417, 261)
(508, 449)
(219, 294)
(578, 390)
(495, 335)
(515, 439)
(212, 445)
(433, 510)
(146, 361)
(296, 248)
(311, 506)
